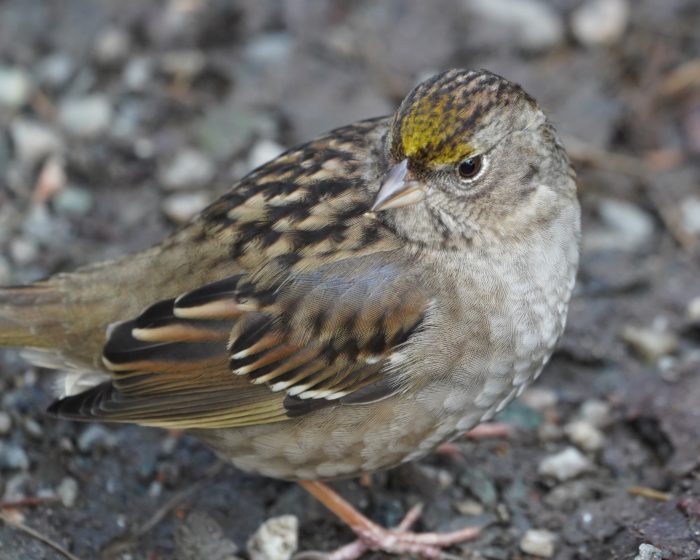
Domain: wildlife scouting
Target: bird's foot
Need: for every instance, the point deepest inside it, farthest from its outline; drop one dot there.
(398, 540)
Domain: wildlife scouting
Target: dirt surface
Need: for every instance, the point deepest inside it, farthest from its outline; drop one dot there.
(120, 119)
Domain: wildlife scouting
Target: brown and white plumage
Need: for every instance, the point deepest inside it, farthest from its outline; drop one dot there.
(345, 307)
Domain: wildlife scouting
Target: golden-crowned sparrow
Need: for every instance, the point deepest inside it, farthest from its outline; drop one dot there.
(346, 307)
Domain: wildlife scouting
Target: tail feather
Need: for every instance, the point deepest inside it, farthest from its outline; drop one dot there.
(67, 317)
(29, 315)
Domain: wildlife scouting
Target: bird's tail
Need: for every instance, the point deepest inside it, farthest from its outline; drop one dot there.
(29, 315)
(69, 314)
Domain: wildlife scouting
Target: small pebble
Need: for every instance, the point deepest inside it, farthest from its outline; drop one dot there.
(549, 431)
(275, 539)
(596, 412)
(13, 457)
(188, 169)
(479, 484)
(565, 465)
(649, 552)
(16, 487)
(469, 507)
(86, 117)
(262, 152)
(5, 423)
(626, 227)
(600, 22)
(73, 201)
(567, 493)
(183, 64)
(690, 215)
(96, 436)
(268, 48)
(41, 226)
(434, 477)
(649, 343)
(201, 537)
(67, 491)
(23, 251)
(538, 542)
(584, 434)
(181, 208)
(33, 141)
(112, 46)
(33, 428)
(15, 86)
(539, 398)
(528, 24)
(693, 310)
(155, 489)
(55, 70)
(168, 445)
(138, 73)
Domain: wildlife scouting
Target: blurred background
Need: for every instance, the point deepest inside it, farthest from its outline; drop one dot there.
(120, 120)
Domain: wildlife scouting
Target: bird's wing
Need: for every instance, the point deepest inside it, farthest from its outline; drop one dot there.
(236, 353)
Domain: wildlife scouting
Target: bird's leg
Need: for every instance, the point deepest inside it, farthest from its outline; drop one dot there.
(487, 430)
(371, 536)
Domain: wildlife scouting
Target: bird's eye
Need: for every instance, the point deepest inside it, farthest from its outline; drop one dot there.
(469, 168)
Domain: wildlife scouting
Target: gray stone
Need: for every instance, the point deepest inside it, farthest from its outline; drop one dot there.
(479, 484)
(538, 542)
(596, 412)
(40, 225)
(183, 64)
(5, 423)
(600, 22)
(650, 343)
(625, 227)
(469, 507)
(138, 73)
(200, 536)
(67, 491)
(268, 48)
(693, 310)
(55, 70)
(33, 428)
(188, 169)
(112, 46)
(182, 207)
(74, 201)
(96, 436)
(23, 251)
(531, 25)
(690, 215)
(228, 129)
(15, 86)
(34, 140)
(16, 486)
(564, 465)
(276, 539)
(263, 151)
(13, 457)
(87, 116)
(539, 398)
(649, 552)
(585, 435)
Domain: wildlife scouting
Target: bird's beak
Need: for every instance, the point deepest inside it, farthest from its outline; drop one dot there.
(398, 189)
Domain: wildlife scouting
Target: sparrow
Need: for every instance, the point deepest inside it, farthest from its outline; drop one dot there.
(344, 308)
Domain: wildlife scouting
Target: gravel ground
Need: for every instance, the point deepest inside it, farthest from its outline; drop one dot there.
(120, 119)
